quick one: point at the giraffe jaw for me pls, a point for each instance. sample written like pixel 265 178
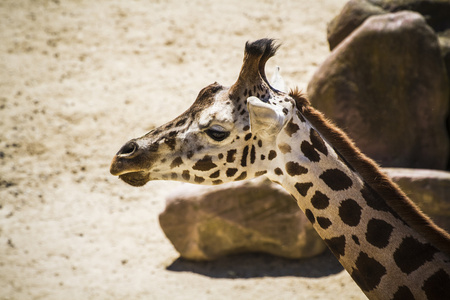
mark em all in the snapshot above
pixel 137 179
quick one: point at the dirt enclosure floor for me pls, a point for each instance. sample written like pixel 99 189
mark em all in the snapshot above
pixel 77 80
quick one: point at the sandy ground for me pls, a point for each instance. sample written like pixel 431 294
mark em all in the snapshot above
pixel 77 80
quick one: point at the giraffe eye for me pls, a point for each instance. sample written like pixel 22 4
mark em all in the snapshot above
pixel 217 133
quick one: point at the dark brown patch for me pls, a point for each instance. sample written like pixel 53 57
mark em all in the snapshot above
pixel 284 148
pixel 215 174
pixel 412 254
pixel 263 157
pixel 190 154
pixel 242 176
pixel 204 164
pixel 174 176
pixel 310 216
pixel 318 142
pixel 171 143
pixel 336 179
pixel 176 162
pixel 309 151
pixel 231 171
pixel 403 293
pixel 368 272
pixel 186 176
pixel 252 155
pixel 278 171
pixel 246 127
pixel 293 169
pixel 248 136
pixel 378 233
pixel 336 245
pixel 324 222
pixel 259 143
pixel 259 173
pixel 220 156
pixel 198 179
pixel 303 188
pixel 320 200
pixel 437 286
pixel 231 155
pixel 350 212
pixel 291 128
pixel 216 182
pixel 180 122
pixel 355 239
pixel 244 157
pixel 272 154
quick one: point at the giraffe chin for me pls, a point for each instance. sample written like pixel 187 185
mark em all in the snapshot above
pixel 135 178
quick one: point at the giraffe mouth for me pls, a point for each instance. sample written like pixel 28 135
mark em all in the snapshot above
pixel 135 178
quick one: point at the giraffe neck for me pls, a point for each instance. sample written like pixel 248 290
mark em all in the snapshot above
pixel 383 254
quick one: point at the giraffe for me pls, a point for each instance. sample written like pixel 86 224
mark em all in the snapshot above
pixel 390 248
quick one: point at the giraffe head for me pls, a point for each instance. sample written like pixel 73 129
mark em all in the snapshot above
pixel 220 137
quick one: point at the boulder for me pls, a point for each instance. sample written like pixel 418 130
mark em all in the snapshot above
pixel 354 13
pixel 387 87
pixel 436 13
pixel 429 189
pixel 204 223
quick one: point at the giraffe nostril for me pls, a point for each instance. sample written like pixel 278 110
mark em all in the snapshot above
pixel 128 149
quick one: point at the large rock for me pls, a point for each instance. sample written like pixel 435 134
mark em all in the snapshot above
pixel 387 87
pixel 204 223
pixel 429 189
pixel 354 13
pixel 436 13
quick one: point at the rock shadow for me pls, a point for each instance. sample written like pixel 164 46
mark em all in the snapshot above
pixel 261 265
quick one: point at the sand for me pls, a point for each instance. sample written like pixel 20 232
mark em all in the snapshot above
pixel 80 78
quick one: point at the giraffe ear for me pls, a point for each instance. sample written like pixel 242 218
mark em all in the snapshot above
pixel 265 119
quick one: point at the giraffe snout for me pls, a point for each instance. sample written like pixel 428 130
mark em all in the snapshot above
pixel 133 159
pixel 125 159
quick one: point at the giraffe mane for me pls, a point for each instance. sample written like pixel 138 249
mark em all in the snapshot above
pixel 373 176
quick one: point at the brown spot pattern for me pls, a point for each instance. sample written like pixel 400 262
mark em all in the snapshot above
pixel 186 176
pixel 272 154
pixel 320 200
pixel 318 142
pixel 198 179
pixel 378 232
pixel 231 171
pixel 350 212
pixel 204 164
pixel 176 162
pixel 231 155
pixel 437 286
pixel 412 254
pixel 368 272
pixel 324 222
pixel 309 151
pixel 336 179
pixel 336 245
pixel 291 128
pixel 244 157
pixel 293 168
pixel 310 216
pixel 242 176
pixel 403 293
pixel 303 188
